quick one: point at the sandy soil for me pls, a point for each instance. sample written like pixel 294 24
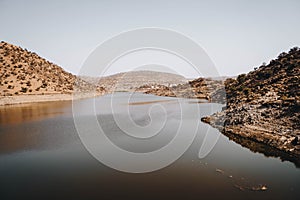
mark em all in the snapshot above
pixel 9 100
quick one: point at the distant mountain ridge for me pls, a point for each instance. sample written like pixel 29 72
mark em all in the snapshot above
pixel 130 81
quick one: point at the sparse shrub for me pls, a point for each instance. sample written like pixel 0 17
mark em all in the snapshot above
pixel 241 78
pixel 44 85
pixel 23 89
pixel 247 91
pixel 268 73
pixel 294 49
pixel 291 67
pixel 283 98
pixel 265 74
pixel 241 88
pixel 282 55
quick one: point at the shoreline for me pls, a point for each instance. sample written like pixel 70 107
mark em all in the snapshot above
pixel 257 134
pixel 38 98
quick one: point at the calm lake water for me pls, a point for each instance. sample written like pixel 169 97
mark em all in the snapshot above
pixel 41 156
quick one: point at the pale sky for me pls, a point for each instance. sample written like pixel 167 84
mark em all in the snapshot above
pixel 237 35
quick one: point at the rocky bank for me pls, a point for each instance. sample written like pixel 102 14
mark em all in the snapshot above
pixel 264 105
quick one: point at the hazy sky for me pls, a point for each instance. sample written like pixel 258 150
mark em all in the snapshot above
pixel 237 35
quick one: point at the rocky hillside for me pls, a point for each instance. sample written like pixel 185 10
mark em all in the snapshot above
pixel 130 81
pixel 202 88
pixel 264 105
pixel 24 72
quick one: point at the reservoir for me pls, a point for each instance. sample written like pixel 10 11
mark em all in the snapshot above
pixel 42 155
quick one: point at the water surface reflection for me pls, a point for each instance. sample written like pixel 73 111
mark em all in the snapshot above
pixel 41 157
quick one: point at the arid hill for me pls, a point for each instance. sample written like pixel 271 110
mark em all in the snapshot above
pixel 23 72
pixel 201 88
pixel 264 105
pixel 130 81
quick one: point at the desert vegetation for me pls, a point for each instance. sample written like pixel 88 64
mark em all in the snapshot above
pixel 23 72
pixel 264 105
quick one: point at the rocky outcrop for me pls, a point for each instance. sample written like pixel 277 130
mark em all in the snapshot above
pixel 201 88
pixel 264 105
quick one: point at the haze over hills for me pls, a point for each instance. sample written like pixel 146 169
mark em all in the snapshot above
pixel 129 81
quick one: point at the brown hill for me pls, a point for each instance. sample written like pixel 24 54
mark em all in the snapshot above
pixel 24 72
pixel 130 81
pixel 264 105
